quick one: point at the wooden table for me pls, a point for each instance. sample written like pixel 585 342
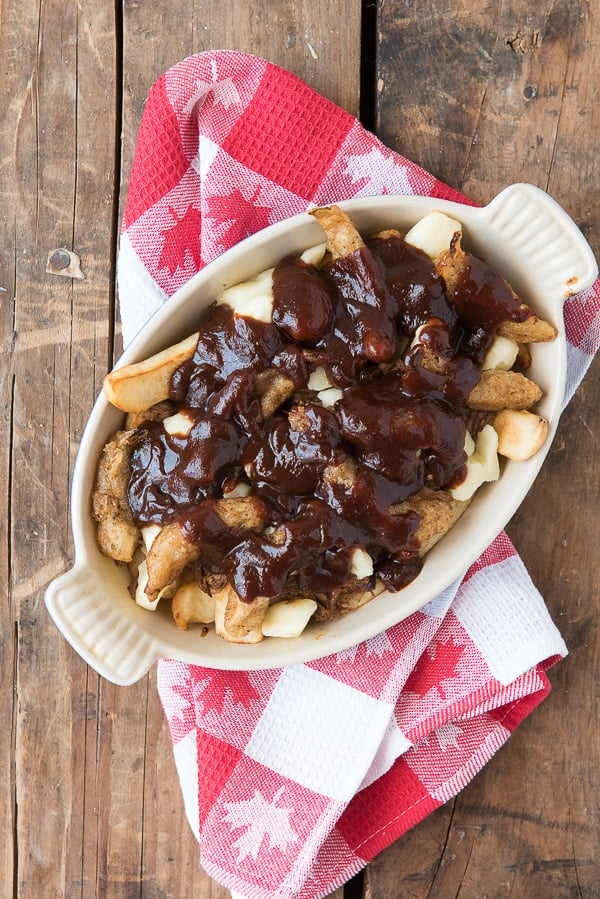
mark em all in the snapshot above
pixel 481 94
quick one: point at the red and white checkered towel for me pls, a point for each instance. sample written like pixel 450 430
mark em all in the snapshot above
pixel 293 779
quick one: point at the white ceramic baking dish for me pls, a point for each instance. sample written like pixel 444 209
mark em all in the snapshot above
pixel 522 232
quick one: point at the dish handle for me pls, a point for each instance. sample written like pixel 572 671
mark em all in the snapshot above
pixel 91 621
pixel 540 232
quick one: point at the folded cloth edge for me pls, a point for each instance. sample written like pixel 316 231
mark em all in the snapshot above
pixel 439 190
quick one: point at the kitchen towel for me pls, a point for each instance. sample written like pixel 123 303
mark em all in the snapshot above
pixel 294 778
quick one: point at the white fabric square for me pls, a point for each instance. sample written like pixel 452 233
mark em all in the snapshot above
pixel 185 753
pixel 393 745
pixel 506 618
pixel 319 732
pixel 139 294
pixel 439 605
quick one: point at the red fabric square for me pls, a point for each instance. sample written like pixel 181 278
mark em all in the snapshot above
pixel 216 763
pixel 159 163
pixel 513 713
pixel 288 133
pixel 385 810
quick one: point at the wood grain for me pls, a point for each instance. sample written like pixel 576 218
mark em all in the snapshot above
pixel 59 187
pixel 482 95
pixel 163 852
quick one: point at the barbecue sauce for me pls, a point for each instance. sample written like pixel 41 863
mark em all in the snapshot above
pixel 327 477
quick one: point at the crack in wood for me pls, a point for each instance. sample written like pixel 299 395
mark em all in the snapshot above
pixel 523 41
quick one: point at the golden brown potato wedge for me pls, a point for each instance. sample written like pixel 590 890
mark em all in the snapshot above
pixel 450 266
pixel 342 236
pixel 437 512
pixel 192 605
pixel 170 553
pixel 117 535
pixel 246 512
pixel 273 389
pixel 532 330
pixel 503 390
pixel 137 387
pixel 155 413
pixel 238 621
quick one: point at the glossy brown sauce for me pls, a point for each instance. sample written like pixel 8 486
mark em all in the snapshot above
pixel 326 477
pixel 482 301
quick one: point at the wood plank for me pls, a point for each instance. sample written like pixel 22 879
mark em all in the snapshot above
pixel 481 96
pixel 299 36
pixel 484 97
pixel 12 51
pixel 284 33
pixel 57 178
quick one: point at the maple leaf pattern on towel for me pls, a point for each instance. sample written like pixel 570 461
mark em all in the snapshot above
pixel 238 216
pixel 223 90
pixel 375 646
pixel 375 173
pixel 261 820
pixel 447 736
pixel 218 688
pixel 182 238
pixel 425 678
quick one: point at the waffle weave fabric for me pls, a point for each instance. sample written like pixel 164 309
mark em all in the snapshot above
pixel 294 778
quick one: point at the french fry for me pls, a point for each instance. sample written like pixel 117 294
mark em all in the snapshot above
pixel 342 236
pixel 137 387
pixel 155 413
pixel 116 533
pixel 169 555
pixel 238 621
pixel 437 512
pixel 497 388
pixel 273 389
pixel 171 552
pixel 451 264
pixel 523 360
pixel 192 605
pixel 351 599
pixel 353 595
pixel 387 234
pixel 245 512
pixel 532 330
pixel 503 390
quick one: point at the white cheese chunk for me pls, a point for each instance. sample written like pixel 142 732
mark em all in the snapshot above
pixel 178 425
pixel 288 618
pixel 502 354
pixel 330 396
pixel 149 534
pixel 482 465
pixel 140 595
pixel 361 563
pixel 433 233
pixel 319 379
pixel 252 299
pixel 314 255
pixel 241 489
pixel 469 444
